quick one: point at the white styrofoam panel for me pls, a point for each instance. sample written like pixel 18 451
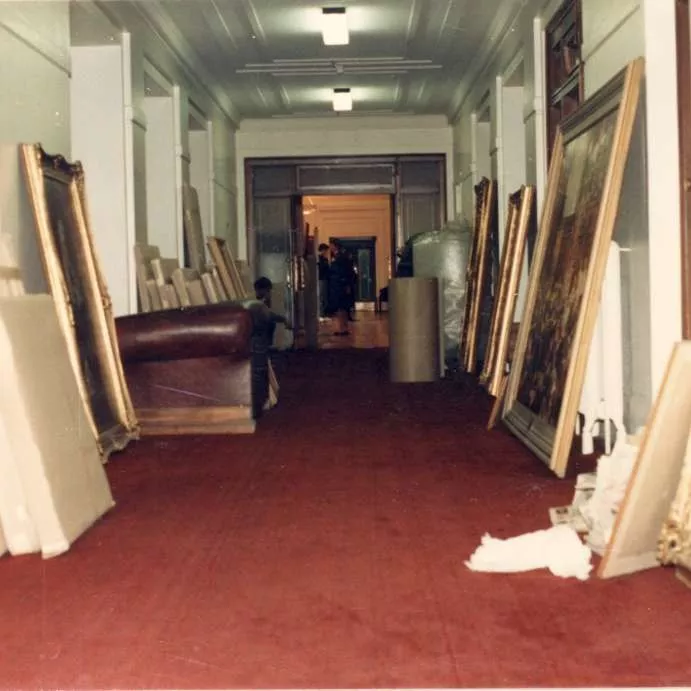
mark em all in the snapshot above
pixel 98 141
pixel 50 440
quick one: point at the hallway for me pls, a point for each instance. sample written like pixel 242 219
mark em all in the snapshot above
pixel 327 550
pixel 369 330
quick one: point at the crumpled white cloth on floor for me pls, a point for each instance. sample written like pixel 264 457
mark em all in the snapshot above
pixel 558 549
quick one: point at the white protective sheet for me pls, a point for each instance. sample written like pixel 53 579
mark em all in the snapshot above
pixel 558 549
pixel 47 434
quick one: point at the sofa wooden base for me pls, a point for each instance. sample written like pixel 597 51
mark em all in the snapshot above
pixel 196 420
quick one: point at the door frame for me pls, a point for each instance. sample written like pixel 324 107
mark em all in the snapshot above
pixel 370 240
pixel 394 189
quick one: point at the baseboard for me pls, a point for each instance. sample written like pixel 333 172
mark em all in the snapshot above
pixel 196 420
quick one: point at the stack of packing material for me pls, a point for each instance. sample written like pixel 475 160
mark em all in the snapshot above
pixel 53 486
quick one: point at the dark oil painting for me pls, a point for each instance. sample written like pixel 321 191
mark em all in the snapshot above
pixel 564 269
pixel 71 255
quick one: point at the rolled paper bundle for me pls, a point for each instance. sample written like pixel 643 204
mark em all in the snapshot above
pixel 414 330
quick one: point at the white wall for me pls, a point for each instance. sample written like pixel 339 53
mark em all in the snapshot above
pixel 161 187
pixel 148 48
pixel 663 184
pixel 612 37
pixel 34 83
pixel 144 49
pixel 348 136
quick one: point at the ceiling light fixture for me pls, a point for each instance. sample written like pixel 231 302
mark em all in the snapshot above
pixel 335 26
pixel 342 100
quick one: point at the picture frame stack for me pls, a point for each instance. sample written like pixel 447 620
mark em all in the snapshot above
pixel 519 214
pixel 478 273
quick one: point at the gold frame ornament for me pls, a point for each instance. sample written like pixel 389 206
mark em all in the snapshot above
pixel 520 211
pixel 566 276
pixel 479 271
pixel 674 544
pixel 57 195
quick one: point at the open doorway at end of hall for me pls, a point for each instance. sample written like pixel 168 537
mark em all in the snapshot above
pixel 363 224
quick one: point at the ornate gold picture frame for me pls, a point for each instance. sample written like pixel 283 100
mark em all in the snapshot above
pixel 674 544
pixel 566 276
pixel 520 212
pixel 56 190
pixel 479 271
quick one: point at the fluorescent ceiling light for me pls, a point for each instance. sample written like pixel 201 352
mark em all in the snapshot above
pixel 334 26
pixel 343 99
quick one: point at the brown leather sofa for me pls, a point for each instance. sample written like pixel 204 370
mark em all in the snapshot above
pixel 198 370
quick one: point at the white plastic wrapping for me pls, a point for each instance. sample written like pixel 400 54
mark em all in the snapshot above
pixel 444 255
pixel 558 549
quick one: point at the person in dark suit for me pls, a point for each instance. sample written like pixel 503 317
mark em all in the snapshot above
pixel 324 267
pixel 340 288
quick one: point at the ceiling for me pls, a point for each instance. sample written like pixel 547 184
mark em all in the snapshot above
pixel 268 59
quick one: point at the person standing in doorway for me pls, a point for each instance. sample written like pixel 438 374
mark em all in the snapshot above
pixel 324 268
pixel 340 286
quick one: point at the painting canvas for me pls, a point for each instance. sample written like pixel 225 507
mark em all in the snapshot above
pixel 194 234
pixel 568 269
pixel 520 212
pixel 56 189
pixel 479 272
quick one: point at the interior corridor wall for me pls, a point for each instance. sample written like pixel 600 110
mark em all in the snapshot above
pixel 147 47
pixel 613 34
pixel 145 52
pixel 35 88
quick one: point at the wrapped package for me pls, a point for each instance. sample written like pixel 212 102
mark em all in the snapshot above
pixel 444 255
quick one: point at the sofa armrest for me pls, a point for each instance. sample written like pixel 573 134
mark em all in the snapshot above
pixel 180 334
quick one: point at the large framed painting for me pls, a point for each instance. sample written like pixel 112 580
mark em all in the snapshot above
pixel 568 267
pixel 479 272
pixel 57 194
pixel 518 219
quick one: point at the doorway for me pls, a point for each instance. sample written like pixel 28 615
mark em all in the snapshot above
pixel 363 224
pixel 363 251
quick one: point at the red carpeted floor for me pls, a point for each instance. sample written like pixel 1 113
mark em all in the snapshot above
pixel 327 550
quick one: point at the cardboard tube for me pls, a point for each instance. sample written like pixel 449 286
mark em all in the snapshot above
pixel 414 330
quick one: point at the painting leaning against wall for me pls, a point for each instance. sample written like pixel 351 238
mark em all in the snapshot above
pixel 565 269
pixel 566 275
